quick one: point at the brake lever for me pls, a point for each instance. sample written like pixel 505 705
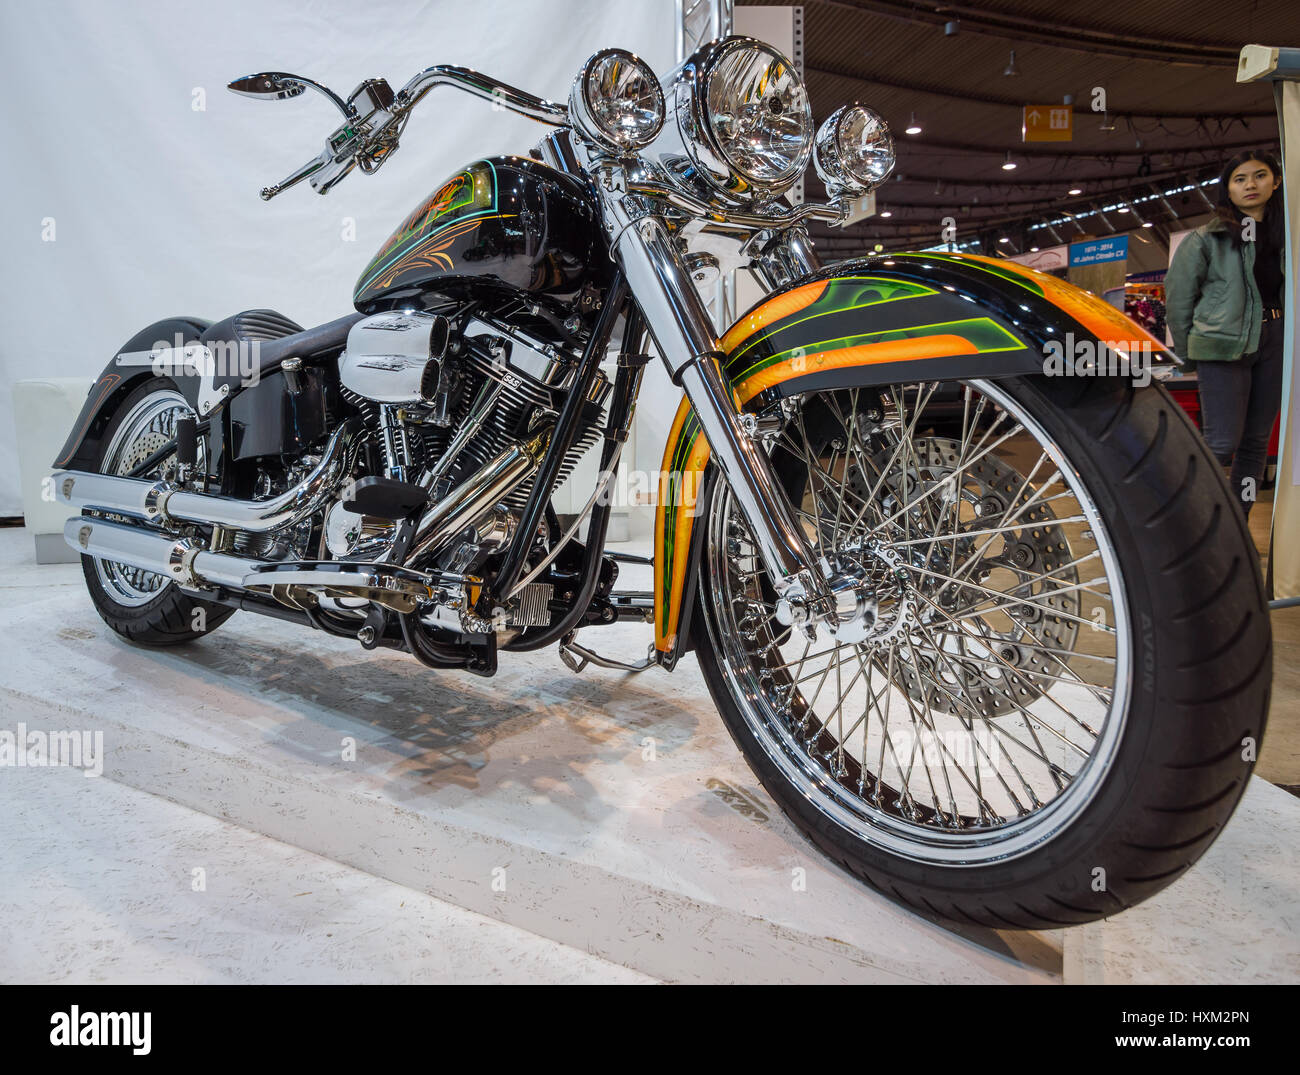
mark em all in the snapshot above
pixel 308 169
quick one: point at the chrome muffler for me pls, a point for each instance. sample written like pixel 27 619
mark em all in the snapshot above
pixel 296 584
pixel 183 560
pixel 161 502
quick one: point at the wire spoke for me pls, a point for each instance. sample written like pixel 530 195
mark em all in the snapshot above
pixel 969 702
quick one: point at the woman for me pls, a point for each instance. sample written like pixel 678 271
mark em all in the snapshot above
pixel 1223 297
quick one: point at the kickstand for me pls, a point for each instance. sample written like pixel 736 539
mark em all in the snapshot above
pixel 577 657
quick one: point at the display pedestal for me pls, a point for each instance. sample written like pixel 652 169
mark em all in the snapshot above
pixel 608 812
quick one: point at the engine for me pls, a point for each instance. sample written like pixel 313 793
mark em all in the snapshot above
pixel 454 405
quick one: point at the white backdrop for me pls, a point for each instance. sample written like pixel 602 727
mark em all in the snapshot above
pixel 129 191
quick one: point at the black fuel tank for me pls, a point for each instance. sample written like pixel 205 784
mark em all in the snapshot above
pixel 505 221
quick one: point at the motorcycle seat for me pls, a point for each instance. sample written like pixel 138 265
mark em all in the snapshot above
pixel 276 338
pixel 247 328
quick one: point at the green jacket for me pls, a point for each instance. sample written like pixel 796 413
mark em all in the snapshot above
pixel 1212 305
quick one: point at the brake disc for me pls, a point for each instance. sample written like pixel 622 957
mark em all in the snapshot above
pixel 140 449
pixel 956 660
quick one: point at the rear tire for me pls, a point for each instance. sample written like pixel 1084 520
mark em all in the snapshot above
pixel 140 606
pixel 1200 666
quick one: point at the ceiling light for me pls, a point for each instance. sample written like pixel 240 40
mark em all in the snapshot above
pixel 1075 190
pixel 1004 239
pixel 1008 164
pixel 1107 124
pixel 1010 70
pixel 951 27
pixel 1147 224
pixel 913 127
pixel 1033 250
pixel 886 213
pixel 1122 209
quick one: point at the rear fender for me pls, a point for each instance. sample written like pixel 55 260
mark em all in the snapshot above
pixel 120 377
pixel 889 319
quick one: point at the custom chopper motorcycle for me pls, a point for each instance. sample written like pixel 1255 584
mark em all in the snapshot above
pixel 994 640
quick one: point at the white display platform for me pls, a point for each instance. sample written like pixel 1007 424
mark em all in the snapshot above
pixel 106 884
pixel 678 867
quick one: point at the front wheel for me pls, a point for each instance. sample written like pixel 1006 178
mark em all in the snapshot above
pixel 1059 703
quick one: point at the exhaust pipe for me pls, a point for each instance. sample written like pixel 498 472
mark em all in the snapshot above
pixel 476 494
pixel 161 502
pixel 192 567
pixel 182 559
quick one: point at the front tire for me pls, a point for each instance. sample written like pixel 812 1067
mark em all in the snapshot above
pixel 1071 813
pixel 139 605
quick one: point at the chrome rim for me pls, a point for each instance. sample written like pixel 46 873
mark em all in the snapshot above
pixel 982 713
pixel 149 425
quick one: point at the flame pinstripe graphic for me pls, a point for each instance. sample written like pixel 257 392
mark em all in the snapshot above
pixel 454 209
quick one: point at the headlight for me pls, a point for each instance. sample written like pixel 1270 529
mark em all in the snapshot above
pixel 855 151
pixel 742 119
pixel 757 110
pixel 617 100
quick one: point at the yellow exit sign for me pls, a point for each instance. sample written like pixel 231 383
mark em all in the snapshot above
pixel 1047 123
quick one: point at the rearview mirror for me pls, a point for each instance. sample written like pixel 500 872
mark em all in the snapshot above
pixel 268 84
pixel 278 86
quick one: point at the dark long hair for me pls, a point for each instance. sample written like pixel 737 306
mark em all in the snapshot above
pixel 1231 214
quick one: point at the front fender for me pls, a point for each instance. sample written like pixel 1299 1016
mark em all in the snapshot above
pixel 879 320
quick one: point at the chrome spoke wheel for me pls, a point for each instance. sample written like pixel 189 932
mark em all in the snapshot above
pixel 147 428
pixel 980 714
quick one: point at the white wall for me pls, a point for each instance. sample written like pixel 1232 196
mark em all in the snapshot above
pixel 118 129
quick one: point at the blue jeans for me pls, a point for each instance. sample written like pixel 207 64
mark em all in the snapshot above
pixel 1239 402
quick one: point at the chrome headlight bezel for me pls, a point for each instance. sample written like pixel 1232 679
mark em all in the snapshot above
pixel 585 119
pixel 834 158
pixel 691 149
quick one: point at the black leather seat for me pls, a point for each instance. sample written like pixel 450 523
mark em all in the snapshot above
pixel 276 337
pixel 250 327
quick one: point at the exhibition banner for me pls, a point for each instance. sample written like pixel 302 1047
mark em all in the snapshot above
pixel 1096 251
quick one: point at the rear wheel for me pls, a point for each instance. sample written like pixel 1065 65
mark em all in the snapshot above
pixel 1060 701
pixel 141 605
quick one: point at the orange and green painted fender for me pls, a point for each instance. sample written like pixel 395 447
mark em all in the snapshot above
pixel 881 320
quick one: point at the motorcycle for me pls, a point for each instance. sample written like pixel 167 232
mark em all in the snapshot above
pixel 994 638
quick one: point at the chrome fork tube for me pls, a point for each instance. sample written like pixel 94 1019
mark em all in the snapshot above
pixel 748 471
pixel 689 347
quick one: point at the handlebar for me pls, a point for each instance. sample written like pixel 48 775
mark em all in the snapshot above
pixel 374 117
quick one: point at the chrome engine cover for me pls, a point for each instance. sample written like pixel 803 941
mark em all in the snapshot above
pixel 395 357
